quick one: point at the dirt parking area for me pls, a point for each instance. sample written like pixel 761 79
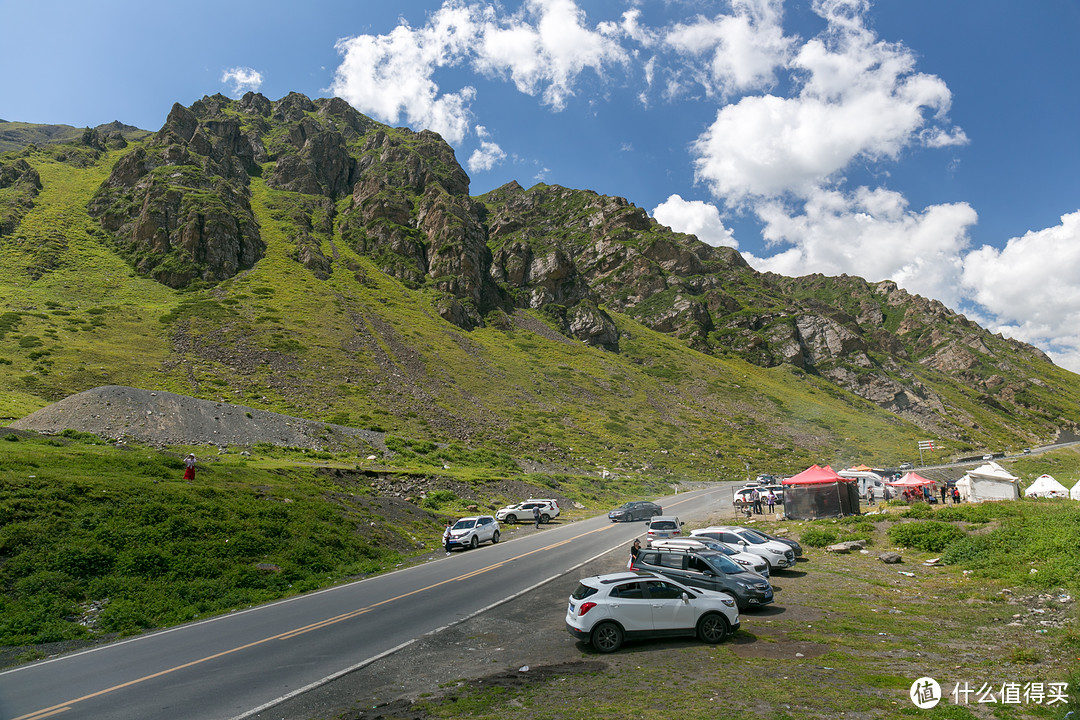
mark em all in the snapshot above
pixel 847 636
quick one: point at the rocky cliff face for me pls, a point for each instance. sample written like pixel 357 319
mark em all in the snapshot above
pixel 180 206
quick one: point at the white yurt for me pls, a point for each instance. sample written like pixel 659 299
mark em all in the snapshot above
pixel 1046 486
pixel 988 482
pixel 1075 492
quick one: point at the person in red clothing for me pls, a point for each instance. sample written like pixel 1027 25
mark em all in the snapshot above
pixel 189 467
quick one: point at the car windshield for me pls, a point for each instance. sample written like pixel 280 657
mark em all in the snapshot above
pixel 465 524
pixel 756 534
pixel 750 537
pixel 725 565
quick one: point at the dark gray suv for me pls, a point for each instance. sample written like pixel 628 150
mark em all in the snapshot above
pixel 707 569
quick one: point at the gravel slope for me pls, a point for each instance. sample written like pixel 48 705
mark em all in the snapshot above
pixel 163 419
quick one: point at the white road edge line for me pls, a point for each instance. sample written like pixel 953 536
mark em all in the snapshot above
pixel 364 663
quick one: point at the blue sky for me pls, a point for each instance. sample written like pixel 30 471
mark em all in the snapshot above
pixel 931 143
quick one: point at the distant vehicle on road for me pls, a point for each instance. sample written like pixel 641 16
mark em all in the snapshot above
pixel 907 466
pixel 635 510
pixel 523 511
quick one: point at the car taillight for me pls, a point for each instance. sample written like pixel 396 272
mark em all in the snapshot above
pixel 585 607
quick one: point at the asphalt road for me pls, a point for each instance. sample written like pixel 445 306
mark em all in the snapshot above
pixel 238 665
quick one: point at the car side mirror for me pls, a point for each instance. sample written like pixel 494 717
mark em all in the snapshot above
pixel 685 598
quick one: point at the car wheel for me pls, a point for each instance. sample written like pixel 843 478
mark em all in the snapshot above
pixel 495 537
pixel 545 518
pixel 712 628
pixel 511 519
pixel 474 542
pixel 607 637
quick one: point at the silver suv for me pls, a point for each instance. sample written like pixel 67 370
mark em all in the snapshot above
pixel 468 532
pixel 707 569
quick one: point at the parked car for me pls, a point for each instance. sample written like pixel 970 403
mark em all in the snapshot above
pixel 635 510
pixel 663 526
pixel 988 456
pixel 777 490
pixel 707 569
pixel 793 544
pixel 605 610
pixel 749 561
pixel 778 555
pixel 907 466
pixel 468 532
pixel 742 495
pixel 523 511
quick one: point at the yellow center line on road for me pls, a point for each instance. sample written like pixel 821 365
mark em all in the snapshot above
pixel 288 634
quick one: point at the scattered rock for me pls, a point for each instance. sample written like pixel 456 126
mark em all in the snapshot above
pixel 891 558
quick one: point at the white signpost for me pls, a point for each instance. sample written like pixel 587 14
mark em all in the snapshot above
pixel 927 445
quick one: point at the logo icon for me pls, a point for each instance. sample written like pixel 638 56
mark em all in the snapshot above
pixel 925 693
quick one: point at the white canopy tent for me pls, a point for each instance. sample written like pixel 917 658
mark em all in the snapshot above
pixel 1046 486
pixel 1075 492
pixel 988 482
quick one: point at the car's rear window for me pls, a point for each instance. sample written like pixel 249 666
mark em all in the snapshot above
pixel 583 591
pixel 664 525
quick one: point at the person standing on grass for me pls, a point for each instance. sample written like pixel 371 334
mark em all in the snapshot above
pixel 944 492
pixel 770 500
pixel 189 467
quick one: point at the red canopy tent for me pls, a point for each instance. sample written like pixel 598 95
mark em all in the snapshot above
pixel 912 480
pixel 819 492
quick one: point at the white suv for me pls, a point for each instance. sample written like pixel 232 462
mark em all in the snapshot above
pixel 777 554
pixel 468 532
pixel 523 511
pixel 663 526
pixel 606 609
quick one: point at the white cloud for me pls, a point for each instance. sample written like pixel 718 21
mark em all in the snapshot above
pixel 545 48
pixel 391 75
pixel 487 156
pixel 696 218
pixel 859 99
pixel 873 234
pixel 1032 286
pixel 242 79
pixel 743 49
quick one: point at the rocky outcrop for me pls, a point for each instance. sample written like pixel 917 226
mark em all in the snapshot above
pixel 21 184
pixel 180 207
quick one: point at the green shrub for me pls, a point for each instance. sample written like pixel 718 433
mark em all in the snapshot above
pixel 818 537
pixel 437 499
pixel 928 535
pixel 919 510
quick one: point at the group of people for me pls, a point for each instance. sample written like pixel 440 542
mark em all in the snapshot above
pixel 923 494
pixel 758 500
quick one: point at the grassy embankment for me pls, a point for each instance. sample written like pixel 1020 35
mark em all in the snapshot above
pixel 91 531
